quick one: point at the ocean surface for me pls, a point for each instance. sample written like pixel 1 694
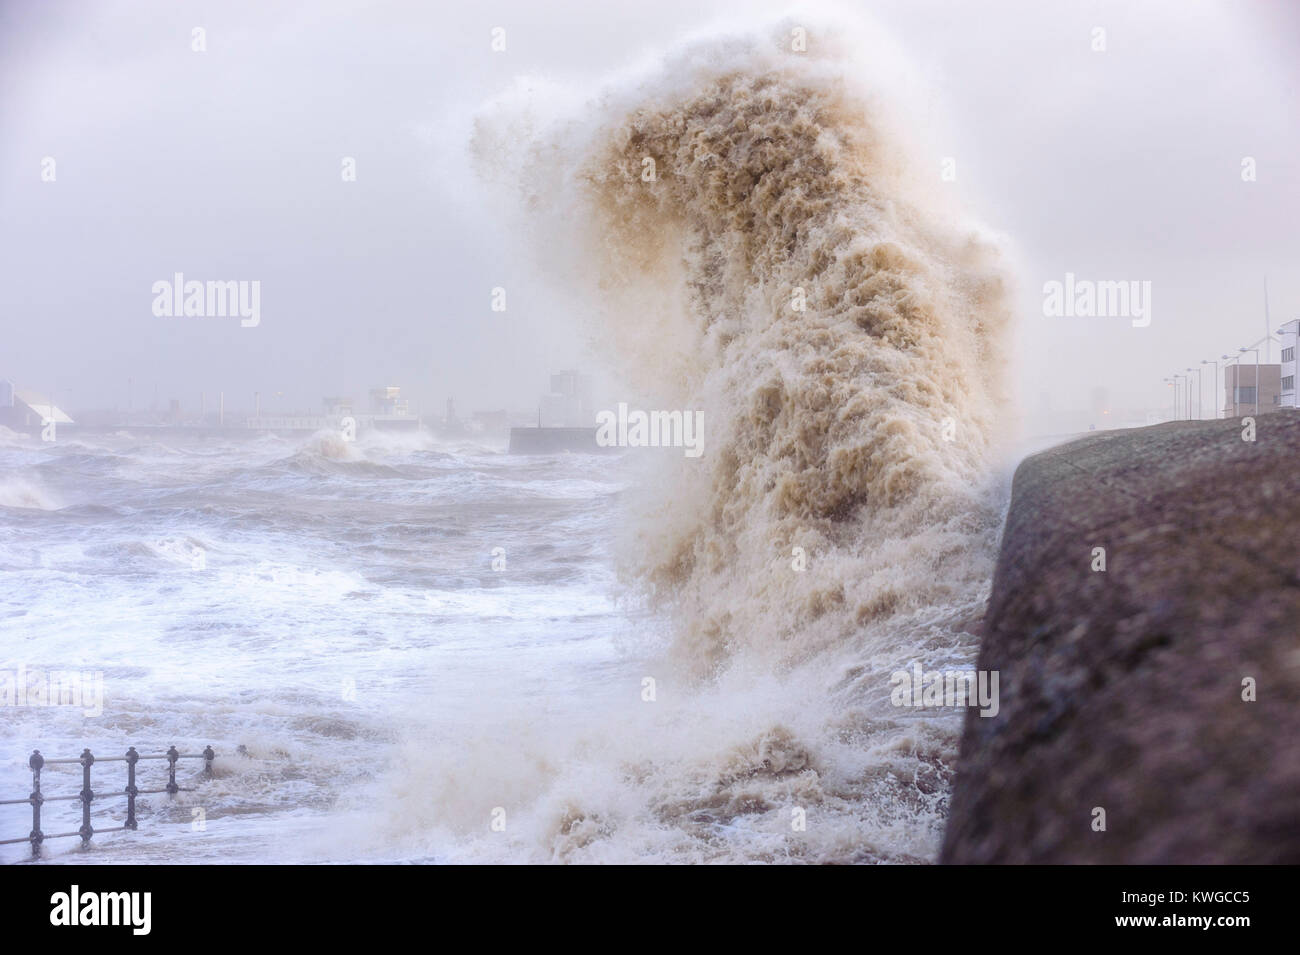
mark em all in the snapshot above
pixel 320 604
pixel 412 650
pixel 328 617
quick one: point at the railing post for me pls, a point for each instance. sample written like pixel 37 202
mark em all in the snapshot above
pixel 37 837
pixel 132 757
pixel 208 757
pixel 172 755
pixel 87 794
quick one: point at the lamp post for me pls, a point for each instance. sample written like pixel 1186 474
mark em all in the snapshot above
pixel 1199 410
pixel 1236 381
pixel 1256 351
pixel 1216 384
pixel 1179 412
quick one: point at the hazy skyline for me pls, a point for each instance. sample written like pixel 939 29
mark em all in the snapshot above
pixel 1124 164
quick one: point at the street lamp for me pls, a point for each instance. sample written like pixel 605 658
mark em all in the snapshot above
pixel 1216 384
pixel 1199 413
pixel 1236 380
pixel 1169 382
pixel 1256 351
pixel 1176 377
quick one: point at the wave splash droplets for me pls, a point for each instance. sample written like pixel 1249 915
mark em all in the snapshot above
pixel 850 354
pixel 754 241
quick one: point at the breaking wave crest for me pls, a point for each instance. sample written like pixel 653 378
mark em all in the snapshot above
pixel 753 240
pixel 756 243
pixel 19 493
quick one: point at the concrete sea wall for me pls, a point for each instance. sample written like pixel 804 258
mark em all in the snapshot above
pixel 1122 689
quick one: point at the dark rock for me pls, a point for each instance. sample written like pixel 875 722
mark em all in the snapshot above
pixel 1123 689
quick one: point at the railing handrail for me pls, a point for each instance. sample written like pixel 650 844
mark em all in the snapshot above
pixel 124 759
pixel 87 795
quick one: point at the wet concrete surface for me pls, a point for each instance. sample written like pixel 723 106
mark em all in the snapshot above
pixel 1122 690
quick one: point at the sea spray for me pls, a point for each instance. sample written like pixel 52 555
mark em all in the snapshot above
pixel 851 354
pixel 785 269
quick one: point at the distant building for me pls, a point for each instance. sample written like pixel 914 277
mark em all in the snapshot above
pixel 25 410
pixel 1240 381
pixel 569 404
pixel 391 413
pixel 388 401
pixel 1290 336
pixel 338 406
pixel 490 421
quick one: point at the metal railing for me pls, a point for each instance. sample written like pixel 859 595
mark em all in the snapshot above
pixel 88 795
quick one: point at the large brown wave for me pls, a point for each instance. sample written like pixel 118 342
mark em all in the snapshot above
pixel 754 240
pixel 845 345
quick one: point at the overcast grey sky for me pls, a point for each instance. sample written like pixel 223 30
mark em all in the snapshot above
pixel 226 164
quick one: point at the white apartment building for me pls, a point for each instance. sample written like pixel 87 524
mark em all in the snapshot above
pixel 1289 334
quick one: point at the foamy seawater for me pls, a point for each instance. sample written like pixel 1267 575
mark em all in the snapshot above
pixel 392 693
pixel 313 602
pixel 682 658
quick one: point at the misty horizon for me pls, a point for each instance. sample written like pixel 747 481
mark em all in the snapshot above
pixel 227 164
